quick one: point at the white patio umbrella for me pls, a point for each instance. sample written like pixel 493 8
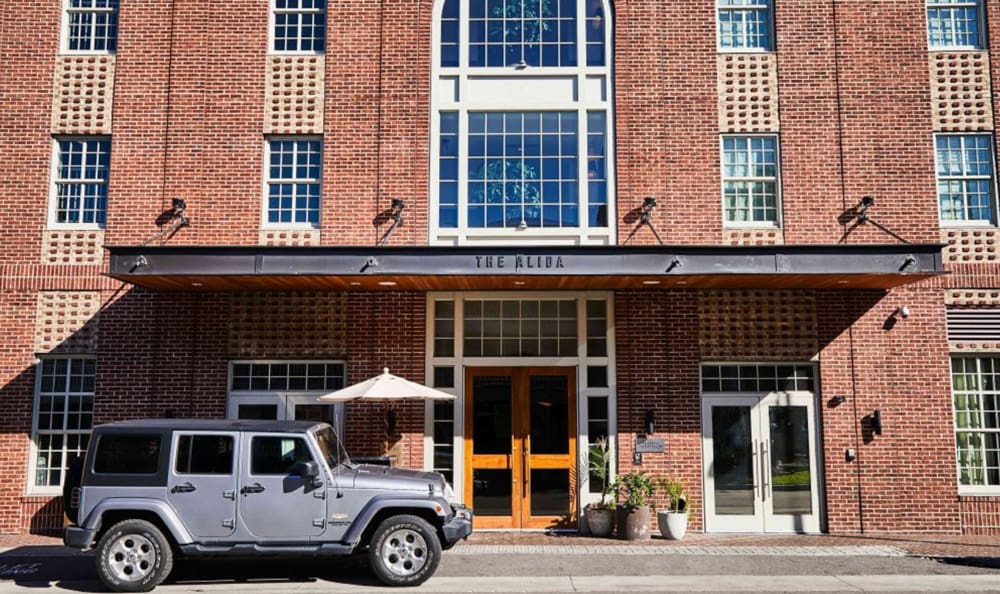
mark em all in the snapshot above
pixel 386 387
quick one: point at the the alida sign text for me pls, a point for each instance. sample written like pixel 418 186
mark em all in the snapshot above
pixel 519 262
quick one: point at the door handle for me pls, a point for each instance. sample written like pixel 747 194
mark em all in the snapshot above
pixel 525 466
pixel 254 488
pixel 756 464
pixel 764 468
pixel 184 488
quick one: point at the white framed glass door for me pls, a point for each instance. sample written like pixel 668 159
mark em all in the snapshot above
pixel 760 462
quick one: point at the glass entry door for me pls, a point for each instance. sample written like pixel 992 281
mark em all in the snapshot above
pixel 760 463
pixel 520 446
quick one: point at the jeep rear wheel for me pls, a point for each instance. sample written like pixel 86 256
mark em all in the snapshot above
pixel 404 551
pixel 133 556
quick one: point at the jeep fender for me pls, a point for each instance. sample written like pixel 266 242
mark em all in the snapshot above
pixel 155 506
pixel 400 502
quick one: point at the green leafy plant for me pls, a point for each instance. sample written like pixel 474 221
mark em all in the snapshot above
pixel 635 489
pixel 677 497
pixel 599 460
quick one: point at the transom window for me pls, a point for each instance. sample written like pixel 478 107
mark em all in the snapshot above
pixel 520 156
pixel 91 26
pixel 965 177
pixel 756 378
pixel 750 180
pixel 294 186
pixel 299 25
pixel 975 383
pixel 64 415
pixel 520 328
pixel 954 24
pixel 81 181
pixel 745 24
pixel 287 376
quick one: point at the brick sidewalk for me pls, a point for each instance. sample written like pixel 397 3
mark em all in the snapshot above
pixel 931 545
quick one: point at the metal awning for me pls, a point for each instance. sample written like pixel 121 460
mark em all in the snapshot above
pixel 433 268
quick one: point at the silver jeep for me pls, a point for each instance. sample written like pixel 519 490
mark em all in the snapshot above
pixel 148 490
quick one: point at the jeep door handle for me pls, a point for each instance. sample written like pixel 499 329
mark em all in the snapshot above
pixel 185 488
pixel 254 488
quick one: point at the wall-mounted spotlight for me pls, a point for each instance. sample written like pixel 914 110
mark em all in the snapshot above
pixel 866 203
pixel 396 214
pixel 903 311
pixel 646 211
pixel 877 422
pixel 838 399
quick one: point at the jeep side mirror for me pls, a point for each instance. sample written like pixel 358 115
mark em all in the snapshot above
pixel 305 469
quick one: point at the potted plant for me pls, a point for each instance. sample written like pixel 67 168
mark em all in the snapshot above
pixel 673 521
pixel 601 516
pixel 635 491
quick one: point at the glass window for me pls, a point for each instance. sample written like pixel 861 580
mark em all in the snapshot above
pixel 522 33
pixel 444 435
pixel 92 26
pixel 277 455
pixel 750 179
pixel 204 454
pixel 81 181
pixel 756 378
pixel 520 328
pixel 745 24
pixel 127 454
pixel 976 391
pixel 954 24
pixel 287 376
pixel 299 25
pixel 965 177
pixel 64 415
pixel 294 175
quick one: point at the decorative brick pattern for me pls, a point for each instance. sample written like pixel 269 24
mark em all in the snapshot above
pixel 753 236
pixel 974 347
pixel 82 97
pixel 42 515
pixel 290 237
pixel 292 325
pixel 960 91
pixel 293 95
pixel 980 515
pixel 972 298
pixel 67 321
pixel 971 245
pixel 757 325
pixel 748 93
pixel 72 247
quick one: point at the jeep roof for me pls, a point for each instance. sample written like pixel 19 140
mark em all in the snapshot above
pixel 212 425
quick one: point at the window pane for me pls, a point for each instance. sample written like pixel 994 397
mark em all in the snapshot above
pixel 127 454
pixel 277 455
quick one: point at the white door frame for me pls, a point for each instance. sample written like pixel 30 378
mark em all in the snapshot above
pixel 763 519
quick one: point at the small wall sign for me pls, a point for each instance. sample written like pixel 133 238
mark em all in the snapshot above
pixel 649 445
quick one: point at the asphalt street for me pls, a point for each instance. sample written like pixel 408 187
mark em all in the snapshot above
pixel 30 568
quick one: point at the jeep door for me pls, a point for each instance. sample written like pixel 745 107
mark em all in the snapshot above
pixel 201 485
pixel 275 503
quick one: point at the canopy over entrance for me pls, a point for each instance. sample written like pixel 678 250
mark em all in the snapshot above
pixel 434 268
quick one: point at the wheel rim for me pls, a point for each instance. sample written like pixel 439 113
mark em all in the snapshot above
pixel 404 552
pixel 131 557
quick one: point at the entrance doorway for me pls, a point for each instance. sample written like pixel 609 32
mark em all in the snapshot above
pixel 520 446
pixel 760 463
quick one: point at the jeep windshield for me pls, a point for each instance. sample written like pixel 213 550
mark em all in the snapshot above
pixel 331 447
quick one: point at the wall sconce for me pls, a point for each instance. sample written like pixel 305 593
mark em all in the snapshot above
pixel 862 208
pixel 390 422
pixel 903 311
pixel 838 399
pixel 650 422
pixel 646 211
pixel 877 422
pixel 396 216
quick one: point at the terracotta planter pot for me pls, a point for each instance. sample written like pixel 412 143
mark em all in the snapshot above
pixel 633 522
pixel 672 525
pixel 600 521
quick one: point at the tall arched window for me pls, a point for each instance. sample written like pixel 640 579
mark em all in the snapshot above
pixel 521 122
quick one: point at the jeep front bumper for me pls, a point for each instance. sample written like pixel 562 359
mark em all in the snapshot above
pixel 458 527
pixel 75 537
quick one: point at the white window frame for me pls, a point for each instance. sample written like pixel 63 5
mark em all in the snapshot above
pixel 777 222
pixel 285 400
pixel 273 10
pixel 55 182
pixel 462 89
pixel 266 190
pixel 46 490
pixel 65 27
pixel 952 223
pixel 580 362
pixel 968 489
pixel 980 24
pixel 771 39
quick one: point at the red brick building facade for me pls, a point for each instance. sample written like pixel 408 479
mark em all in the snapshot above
pixel 824 102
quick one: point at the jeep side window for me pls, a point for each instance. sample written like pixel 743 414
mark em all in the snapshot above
pixel 204 454
pixel 127 454
pixel 277 455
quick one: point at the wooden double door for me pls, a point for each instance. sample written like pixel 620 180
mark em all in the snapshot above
pixel 520 446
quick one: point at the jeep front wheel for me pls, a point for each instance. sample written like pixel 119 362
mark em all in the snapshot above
pixel 133 556
pixel 404 551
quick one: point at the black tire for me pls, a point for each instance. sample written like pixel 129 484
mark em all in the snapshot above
pixel 397 537
pixel 133 556
pixel 74 474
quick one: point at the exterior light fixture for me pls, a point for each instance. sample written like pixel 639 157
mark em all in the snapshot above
pixel 877 422
pixel 646 211
pixel 396 215
pixel 650 422
pixel 863 206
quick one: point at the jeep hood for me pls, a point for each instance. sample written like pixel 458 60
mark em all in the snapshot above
pixel 397 479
